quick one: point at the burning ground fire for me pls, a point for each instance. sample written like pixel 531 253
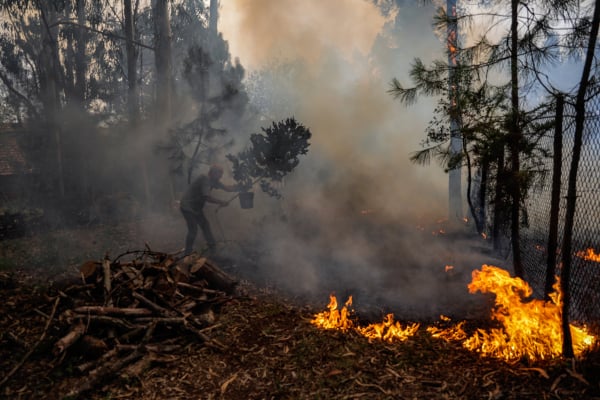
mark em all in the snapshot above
pixel 589 255
pixel 343 320
pixel 526 328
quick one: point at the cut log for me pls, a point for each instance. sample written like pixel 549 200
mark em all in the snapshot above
pixel 107 282
pixel 67 341
pixel 92 364
pixel 161 310
pixel 89 270
pixel 93 346
pixel 110 321
pixel 216 277
pixel 108 368
pixel 116 311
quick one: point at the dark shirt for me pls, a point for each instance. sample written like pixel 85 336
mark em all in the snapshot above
pixel 196 195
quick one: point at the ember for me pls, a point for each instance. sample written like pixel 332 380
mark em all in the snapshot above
pixel 589 255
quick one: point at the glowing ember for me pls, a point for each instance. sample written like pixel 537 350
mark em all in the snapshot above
pixel 589 255
pixel 448 268
pixel 528 328
pixel 387 330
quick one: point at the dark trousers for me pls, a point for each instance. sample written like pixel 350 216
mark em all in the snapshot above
pixel 193 220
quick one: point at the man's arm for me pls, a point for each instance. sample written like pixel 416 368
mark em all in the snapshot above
pixel 214 200
pixel 229 188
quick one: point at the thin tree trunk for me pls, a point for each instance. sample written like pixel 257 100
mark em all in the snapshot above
pixel 498 209
pixel 163 61
pixel 50 62
pixel 213 17
pixel 515 143
pixel 132 84
pixel 133 98
pixel 572 185
pixel 485 165
pixel 80 64
pixel 555 198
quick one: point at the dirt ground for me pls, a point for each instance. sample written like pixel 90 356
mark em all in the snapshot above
pixel 271 350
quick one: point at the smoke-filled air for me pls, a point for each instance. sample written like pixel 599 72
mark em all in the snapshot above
pixel 338 204
pixel 354 210
pixel 299 199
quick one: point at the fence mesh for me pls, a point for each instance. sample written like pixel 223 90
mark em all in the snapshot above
pixel 585 270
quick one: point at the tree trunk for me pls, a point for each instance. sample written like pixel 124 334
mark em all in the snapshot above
pixel 515 143
pixel 50 88
pixel 80 64
pixel 498 209
pixel 133 98
pixel 485 166
pixel 213 18
pixel 555 198
pixel 163 61
pixel 572 185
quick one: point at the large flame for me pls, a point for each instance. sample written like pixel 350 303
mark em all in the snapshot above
pixel 589 255
pixel 388 330
pixel 527 328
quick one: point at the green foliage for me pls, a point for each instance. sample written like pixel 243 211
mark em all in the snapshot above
pixel 273 154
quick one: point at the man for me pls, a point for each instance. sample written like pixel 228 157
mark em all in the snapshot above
pixel 193 202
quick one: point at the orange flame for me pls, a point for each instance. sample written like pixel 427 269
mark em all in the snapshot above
pixel 455 332
pixel 589 255
pixel 528 328
pixel 334 318
pixel 388 330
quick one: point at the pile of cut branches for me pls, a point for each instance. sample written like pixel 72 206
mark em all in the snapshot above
pixel 133 311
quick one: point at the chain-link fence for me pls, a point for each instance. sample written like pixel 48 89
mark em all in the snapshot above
pixel 585 270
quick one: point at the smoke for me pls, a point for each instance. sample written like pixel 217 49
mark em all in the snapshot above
pixel 349 218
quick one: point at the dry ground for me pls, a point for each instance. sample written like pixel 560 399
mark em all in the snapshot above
pixel 272 350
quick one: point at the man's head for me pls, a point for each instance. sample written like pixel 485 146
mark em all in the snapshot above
pixel 215 173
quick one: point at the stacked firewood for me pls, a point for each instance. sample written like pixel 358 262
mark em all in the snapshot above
pixel 130 311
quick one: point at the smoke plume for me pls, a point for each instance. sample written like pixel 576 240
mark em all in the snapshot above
pixel 352 208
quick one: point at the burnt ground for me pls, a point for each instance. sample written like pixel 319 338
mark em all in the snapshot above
pixel 271 349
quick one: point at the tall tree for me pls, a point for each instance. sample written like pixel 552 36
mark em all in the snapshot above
pixel 163 61
pixel 515 139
